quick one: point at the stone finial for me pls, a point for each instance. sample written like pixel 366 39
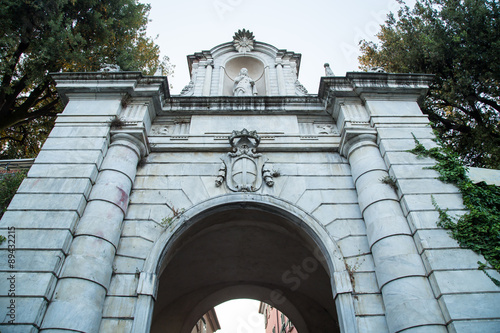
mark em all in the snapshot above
pixel 377 69
pixel 328 70
pixel 110 68
pixel 243 40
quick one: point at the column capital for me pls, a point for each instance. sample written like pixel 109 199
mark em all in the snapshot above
pixel 353 138
pixel 136 140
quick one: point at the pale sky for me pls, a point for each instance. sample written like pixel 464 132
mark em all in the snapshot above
pixel 321 30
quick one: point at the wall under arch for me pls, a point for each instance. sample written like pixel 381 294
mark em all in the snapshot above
pixel 334 264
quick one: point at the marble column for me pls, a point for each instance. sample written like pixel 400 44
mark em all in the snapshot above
pixel 78 299
pixel 408 298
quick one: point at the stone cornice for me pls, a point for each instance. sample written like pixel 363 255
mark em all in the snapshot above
pixel 221 105
pixel 134 84
pixel 358 84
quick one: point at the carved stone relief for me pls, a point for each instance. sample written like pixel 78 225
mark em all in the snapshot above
pixel 244 169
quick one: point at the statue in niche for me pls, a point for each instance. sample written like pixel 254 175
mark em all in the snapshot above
pixel 244 85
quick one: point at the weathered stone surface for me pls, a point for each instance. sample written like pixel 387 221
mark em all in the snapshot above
pixel 35 260
pixel 341 228
pixel 70 156
pixel 123 285
pixel 412 172
pixel 444 259
pixel 461 281
pixel 434 239
pixel 354 246
pixel 123 264
pixel 147 229
pixel 418 291
pixel 43 239
pixel 82 315
pixel 361 263
pixel 63 171
pixel 20 328
pixel 29 284
pixel 365 283
pixel 406 158
pixel 226 124
pixel 29 310
pixel 329 212
pixel 74 202
pixel 116 325
pixel 403 144
pixel 372 324
pixel 470 306
pixel 405 133
pixel 40 219
pixel 423 186
pixel 311 199
pixel 101 219
pixel 56 185
pixel 76 144
pixel 85 263
pixel 120 307
pixel 148 212
pixel 134 247
pixel 64 131
pixel 416 202
pixel 369 305
pixel 395 108
pixel 489 176
pixel 85 107
pixel 487 325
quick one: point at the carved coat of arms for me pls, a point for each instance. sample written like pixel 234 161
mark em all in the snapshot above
pixel 244 169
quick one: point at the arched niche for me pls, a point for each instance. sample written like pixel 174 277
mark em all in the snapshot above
pixel 256 70
pixel 245 246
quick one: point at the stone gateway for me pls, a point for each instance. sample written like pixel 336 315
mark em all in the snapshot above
pixel 145 224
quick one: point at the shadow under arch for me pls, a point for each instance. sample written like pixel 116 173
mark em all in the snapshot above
pixel 164 250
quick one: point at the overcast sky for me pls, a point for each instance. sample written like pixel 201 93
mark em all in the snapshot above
pixel 321 30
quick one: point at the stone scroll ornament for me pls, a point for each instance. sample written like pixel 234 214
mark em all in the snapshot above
pixel 244 169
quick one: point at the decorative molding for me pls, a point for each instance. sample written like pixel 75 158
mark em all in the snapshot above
pixel 243 41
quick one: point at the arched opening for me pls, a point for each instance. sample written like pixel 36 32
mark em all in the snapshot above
pixel 245 246
pixel 255 69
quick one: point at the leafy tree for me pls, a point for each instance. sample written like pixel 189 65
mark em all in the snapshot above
pixel 39 37
pixel 459 42
pixel 9 184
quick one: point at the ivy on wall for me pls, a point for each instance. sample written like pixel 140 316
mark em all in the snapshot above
pixel 479 228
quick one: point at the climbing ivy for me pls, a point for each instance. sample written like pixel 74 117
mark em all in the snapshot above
pixel 479 229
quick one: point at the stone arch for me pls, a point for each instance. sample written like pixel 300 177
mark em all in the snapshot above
pixel 326 251
pixel 256 70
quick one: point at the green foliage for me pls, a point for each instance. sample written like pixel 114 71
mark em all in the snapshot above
pixel 8 187
pixel 459 42
pixel 167 222
pixel 391 181
pixel 479 229
pixel 39 37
